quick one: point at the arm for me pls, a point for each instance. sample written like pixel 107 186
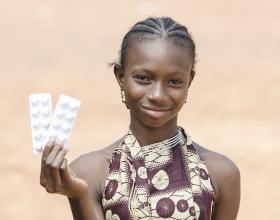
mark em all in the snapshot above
pixel 57 177
pixel 228 200
pixel 92 167
pixel 82 208
pixel 225 177
pixel 91 201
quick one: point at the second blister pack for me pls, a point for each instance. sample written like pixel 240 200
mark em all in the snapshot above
pixel 63 119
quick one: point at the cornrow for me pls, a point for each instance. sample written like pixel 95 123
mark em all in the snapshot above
pixel 153 28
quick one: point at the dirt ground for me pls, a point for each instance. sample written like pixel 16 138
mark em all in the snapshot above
pixel 64 47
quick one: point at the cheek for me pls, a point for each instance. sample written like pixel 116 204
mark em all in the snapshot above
pixel 133 91
pixel 178 96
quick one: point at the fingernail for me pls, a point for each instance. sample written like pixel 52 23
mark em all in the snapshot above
pixel 51 141
pixel 60 142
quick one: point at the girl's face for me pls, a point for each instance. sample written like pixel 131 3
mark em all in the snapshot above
pixel 155 81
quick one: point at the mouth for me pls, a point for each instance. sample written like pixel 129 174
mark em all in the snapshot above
pixel 156 108
pixel 155 111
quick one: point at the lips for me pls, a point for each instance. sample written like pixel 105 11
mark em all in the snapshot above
pixel 155 111
pixel 155 108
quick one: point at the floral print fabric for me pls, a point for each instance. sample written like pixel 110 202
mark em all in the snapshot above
pixel 157 181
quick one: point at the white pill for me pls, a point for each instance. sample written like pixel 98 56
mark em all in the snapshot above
pixel 46 112
pixel 64 103
pixel 35 113
pixel 45 100
pixel 36 125
pixel 66 128
pixel 73 106
pixel 60 114
pixel 56 125
pixel 34 102
pixel 37 137
pixel 46 124
pixel 38 147
pixel 69 117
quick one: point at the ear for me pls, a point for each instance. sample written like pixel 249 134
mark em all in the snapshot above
pixel 119 74
pixel 192 73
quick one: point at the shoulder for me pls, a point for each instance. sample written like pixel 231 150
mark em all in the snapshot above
pixel 87 160
pixel 225 174
pixel 93 167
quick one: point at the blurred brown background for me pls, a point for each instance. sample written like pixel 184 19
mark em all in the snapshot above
pixel 64 47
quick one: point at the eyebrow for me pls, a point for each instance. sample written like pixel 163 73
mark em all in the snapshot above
pixel 152 73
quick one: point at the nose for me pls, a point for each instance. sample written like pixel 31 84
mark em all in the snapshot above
pixel 157 94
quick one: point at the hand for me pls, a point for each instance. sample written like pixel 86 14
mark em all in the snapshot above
pixel 56 176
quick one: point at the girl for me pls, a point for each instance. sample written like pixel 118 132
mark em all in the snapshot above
pixel 155 171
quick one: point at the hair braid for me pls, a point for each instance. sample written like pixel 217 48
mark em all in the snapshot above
pixel 153 28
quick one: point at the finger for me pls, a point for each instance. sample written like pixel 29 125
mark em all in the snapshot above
pixel 45 155
pixel 55 168
pixel 48 148
pixel 48 176
pixel 64 172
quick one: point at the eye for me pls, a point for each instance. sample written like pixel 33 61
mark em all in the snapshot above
pixel 176 82
pixel 142 78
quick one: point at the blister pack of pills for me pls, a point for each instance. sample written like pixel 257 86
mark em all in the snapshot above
pixel 63 119
pixel 45 125
pixel 40 106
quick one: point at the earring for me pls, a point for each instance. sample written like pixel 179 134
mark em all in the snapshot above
pixel 186 98
pixel 123 96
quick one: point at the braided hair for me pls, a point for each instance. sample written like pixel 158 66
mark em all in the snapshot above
pixel 156 28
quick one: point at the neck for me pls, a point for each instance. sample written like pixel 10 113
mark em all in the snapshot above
pixel 148 135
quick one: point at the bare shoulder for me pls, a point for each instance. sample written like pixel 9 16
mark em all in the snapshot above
pixel 88 160
pixel 93 167
pixel 223 171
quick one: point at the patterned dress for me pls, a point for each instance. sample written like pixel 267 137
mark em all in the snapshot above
pixel 158 181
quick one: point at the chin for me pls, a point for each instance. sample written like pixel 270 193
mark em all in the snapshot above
pixel 157 123
pixel 154 125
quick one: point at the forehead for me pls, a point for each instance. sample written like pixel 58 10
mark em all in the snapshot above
pixel 159 53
